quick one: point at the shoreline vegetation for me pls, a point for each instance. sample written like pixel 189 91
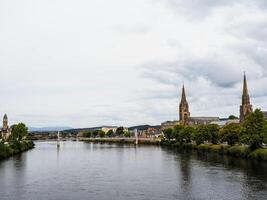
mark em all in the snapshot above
pixel 245 140
pixel 17 142
pixel 240 151
pixel 8 150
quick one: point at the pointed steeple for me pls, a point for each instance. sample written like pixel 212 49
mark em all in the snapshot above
pixel 246 107
pixel 5 117
pixel 245 96
pixel 184 109
pixel 183 99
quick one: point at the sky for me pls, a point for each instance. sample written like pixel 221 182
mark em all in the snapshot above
pixel 83 63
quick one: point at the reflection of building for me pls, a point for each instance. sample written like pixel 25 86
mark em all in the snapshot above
pixel 6 131
pixel 246 107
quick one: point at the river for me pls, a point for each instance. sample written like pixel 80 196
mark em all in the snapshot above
pixel 80 170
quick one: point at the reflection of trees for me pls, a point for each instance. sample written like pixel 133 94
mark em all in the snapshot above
pixel 253 173
pixel 184 161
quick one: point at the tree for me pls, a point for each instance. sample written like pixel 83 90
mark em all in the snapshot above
pixel 213 130
pixel 95 133
pixel 253 129
pixel 167 133
pixel 230 133
pixel 101 133
pixel 110 133
pixel 187 133
pixel 87 134
pixel 127 134
pixel 202 134
pixel 120 131
pixel 19 131
pixel 176 133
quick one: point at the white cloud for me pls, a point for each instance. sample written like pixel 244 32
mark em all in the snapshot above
pixel 86 63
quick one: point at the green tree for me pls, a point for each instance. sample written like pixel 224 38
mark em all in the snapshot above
pixel 110 133
pixel 167 133
pixel 19 131
pixel 95 133
pixel 253 129
pixel 187 133
pixel 230 133
pixel 202 134
pixel 120 131
pixel 87 134
pixel 176 133
pixel 101 133
pixel 213 130
pixel 127 134
pixel 264 134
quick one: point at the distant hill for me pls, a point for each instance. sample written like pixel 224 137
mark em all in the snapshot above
pixel 48 129
pixel 77 130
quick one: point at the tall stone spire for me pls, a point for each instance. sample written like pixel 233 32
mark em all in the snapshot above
pixel 246 107
pixel 184 109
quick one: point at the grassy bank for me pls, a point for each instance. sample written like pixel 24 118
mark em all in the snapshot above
pixel 121 140
pixel 7 150
pixel 240 151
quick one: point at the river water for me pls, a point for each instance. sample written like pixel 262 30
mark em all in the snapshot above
pixel 79 171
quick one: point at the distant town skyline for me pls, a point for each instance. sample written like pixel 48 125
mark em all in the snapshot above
pixel 121 62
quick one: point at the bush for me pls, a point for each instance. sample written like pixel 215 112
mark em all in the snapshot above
pixel 259 154
pixel 238 151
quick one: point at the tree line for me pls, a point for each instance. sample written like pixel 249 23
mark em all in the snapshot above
pixel 252 132
pixel 120 132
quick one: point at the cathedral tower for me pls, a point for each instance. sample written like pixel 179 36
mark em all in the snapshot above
pixel 184 109
pixel 246 107
pixel 5 123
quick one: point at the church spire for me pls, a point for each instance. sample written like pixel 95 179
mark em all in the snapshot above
pixel 245 96
pixel 183 99
pixel 184 109
pixel 246 107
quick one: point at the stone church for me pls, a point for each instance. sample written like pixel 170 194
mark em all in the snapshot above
pixel 185 117
pixel 5 131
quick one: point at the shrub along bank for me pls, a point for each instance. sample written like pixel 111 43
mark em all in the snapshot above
pixel 7 150
pixel 222 149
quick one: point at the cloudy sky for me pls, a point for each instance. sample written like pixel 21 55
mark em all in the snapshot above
pixel 86 63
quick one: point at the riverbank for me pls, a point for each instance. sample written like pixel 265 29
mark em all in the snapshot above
pixel 239 151
pixel 8 150
pixel 149 141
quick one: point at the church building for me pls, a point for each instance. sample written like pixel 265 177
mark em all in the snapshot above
pixel 6 131
pixel 186 119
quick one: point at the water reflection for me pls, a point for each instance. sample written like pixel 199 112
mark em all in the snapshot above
pixel 117 171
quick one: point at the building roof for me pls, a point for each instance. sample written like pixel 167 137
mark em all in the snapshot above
pixel 5 116
pixel 205 118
